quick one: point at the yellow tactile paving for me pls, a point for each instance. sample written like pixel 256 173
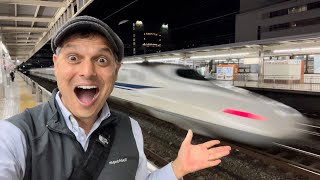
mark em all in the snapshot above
pixel 27 99
pixel 18 96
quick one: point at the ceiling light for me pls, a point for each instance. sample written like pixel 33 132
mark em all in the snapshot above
pixel 218 55
pixel 296 50
pixel 164 59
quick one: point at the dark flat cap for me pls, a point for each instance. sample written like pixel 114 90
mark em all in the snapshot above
pixel 87 23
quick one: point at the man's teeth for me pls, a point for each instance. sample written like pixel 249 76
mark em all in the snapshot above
pixel 87 87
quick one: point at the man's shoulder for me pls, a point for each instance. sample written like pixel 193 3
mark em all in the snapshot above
pixel 119 114
pixel 124 116
pixel 31 117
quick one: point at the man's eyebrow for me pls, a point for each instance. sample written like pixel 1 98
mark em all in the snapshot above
pixel 106 49
pixel 101 50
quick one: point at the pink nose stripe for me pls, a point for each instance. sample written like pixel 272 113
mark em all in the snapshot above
pixel 244 114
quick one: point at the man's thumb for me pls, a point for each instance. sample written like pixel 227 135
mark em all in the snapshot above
pixel 188 138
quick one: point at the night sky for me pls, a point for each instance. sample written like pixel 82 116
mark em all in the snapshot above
pixel 198 22
pixel 209 22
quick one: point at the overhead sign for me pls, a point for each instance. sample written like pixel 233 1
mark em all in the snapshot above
pixel 226 72
pixel 316 64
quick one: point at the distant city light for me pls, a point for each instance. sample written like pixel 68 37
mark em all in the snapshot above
pixel 165 26
pixel 139 23
pixel 151 34
pixel 123 21
pixel 151 44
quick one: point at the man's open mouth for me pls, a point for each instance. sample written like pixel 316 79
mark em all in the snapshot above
pixel 86 94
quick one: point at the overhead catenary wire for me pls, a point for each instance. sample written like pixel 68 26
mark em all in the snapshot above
pixel 120 9
pixel 207 20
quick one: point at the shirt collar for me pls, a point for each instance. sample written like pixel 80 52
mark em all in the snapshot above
pixel 105 113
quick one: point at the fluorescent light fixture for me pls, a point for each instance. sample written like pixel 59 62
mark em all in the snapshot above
pixel 132 62
pixel 152 60
pixel 218 55
pixel 296 50
pixel 310 49
pixel 221 60
pixel 5 48
pixel 163 59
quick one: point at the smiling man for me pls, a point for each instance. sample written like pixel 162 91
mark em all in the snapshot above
pixel 75 135
pixel 86 69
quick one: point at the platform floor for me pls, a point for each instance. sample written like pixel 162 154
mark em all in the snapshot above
pixel 18 97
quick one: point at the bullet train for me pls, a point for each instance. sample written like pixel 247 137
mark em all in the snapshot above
pixel 181 96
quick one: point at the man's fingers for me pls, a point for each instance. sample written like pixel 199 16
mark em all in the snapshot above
pixel 213 163
pixel 211 143
pixel 218 155
pixel 219 149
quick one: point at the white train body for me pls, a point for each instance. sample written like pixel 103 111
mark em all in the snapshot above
pixel 47 73
pixel 180 96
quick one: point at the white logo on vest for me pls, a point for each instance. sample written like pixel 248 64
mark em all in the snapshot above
pixel 103 140
pixel 118 161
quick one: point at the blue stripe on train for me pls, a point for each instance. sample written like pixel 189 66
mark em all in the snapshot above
pixel 131 86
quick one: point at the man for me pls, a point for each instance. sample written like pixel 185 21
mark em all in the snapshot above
pixel 12 75
pixel 75 135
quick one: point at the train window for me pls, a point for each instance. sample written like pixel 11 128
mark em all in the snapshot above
pixel 190 74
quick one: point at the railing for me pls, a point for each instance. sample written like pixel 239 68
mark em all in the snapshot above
pixel 307 83
pixel 42 94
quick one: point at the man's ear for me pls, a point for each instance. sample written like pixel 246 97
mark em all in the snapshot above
pixel 54 58
pixel 118 65
pixel 118 68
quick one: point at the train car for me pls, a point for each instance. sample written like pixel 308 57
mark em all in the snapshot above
pixel 181 96
pixel 46 73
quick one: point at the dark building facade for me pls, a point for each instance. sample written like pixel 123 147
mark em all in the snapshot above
pixel 140 38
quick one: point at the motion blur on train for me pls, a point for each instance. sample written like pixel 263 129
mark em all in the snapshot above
pixel 181 96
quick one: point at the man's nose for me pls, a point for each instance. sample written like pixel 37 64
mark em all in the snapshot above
pixel 88 69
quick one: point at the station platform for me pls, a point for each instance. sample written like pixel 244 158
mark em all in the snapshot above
pixel 17 98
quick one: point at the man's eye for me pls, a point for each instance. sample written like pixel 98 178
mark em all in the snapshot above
pixel 102 60
pixel 72 58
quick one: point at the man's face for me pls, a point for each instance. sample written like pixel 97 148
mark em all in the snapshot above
pixel 86 70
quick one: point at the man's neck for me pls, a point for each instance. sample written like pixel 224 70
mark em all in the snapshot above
pixel 86 124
